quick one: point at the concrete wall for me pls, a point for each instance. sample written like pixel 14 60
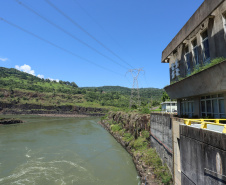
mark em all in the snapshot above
pixel 176 151
pixel 161 137
pixel 203 156
pixel 209 81
pixel 216 39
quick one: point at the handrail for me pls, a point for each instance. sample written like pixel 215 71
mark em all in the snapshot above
pixel 163 112
pixel 204 123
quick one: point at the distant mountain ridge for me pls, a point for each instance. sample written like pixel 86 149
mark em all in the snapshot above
pixel 20 88
pixel 151 92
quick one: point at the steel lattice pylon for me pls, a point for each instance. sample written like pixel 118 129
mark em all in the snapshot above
pixel 135 95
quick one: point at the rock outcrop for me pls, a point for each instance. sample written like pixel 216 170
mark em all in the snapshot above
pixel 11 108
pixel 5 121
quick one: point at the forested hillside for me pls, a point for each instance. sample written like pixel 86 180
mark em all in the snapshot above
pixel 21 88
pixel 151 93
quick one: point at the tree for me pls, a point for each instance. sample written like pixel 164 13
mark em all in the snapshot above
pixel 73 84
pixel 165 97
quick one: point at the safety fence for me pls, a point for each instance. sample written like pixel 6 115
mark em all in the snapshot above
pixel 205 122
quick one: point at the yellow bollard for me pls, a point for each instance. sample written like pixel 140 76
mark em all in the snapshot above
pixel 187 122
pixel 224 130
pixel 204 125
pixel 216 121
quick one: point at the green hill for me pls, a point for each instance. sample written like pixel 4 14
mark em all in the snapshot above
pixel 15 79
pixel 23 88
pixel 145 93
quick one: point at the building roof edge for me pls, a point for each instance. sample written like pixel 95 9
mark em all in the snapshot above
pixel 205 9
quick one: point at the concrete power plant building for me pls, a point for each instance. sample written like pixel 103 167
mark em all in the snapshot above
pixel 195 149
pixel 200 41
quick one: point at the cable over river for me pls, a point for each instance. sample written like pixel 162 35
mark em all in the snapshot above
pixel 46 151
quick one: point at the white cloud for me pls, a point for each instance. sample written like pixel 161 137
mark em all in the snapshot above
pixel 25 68
pixel 40 76
pixel 3 59
pixel 51 79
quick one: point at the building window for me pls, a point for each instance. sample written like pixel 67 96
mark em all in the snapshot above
pixel 205 47
pixel 195 52
pixel 187 60
pixel 213 106
pixel 175 71
pixel 187 108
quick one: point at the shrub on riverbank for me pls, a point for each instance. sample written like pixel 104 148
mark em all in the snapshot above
pixel 116 127
pixel 128 137
pixel 151 158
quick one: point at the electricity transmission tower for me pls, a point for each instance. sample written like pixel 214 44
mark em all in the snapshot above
pixel 135 95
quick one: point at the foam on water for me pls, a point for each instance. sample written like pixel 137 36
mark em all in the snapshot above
pixel 80 152
pixel 53 171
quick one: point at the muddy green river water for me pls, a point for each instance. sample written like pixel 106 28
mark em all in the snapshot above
pixel 61 151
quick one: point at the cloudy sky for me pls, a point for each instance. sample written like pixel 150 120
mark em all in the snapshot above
pixel 91 42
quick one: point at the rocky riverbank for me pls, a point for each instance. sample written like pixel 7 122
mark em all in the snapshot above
pixel 131 131
pixel 7 121
pixel 10 108
pixel 64 115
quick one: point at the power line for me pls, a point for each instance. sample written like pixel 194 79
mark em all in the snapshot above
pixel 52 44
pixel 101 27
pixel 94 20
pixel 81 28
pixel 68 33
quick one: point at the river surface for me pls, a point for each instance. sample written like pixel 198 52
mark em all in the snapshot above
pixel 61 151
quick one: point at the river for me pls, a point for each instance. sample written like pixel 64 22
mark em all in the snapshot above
pixel 48 151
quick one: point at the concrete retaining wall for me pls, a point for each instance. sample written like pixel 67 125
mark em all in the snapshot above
pixel 161 137
pixel 203 156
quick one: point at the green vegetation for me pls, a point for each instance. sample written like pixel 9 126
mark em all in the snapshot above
pixel 128 137
pixel 165 96
pixel 22 88
pixel 145 110
pixel 150 157
pixel 157 110
pixel 145 93
pixel 200 68
pixel 203 67
pixel 116 127
pixel 140 146
pixel 145 134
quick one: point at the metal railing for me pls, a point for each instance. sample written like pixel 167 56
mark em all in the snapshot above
pixel 205 122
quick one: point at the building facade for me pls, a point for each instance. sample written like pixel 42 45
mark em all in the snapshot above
pixel 169 106
pixel 201 42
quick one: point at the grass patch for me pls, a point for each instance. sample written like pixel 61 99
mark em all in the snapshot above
pixel 140 144
pixel 145 134
pixel 116 128
pixel 104 117
pixel 151 158
pixel 121 132
pixel 128 137
pixel 157 110
pixel 200 68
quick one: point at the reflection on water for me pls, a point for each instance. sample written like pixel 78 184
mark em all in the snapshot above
pixel 77 151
